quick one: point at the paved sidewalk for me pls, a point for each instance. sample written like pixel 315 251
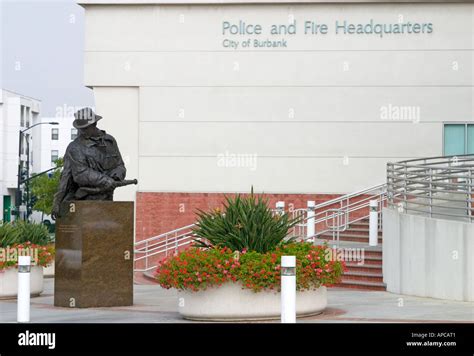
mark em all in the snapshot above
pixel 156 305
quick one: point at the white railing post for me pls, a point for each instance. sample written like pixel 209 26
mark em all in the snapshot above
pixel 373 223
pixel 280 207
pixel 288 289
pixel 470 197
pixel 310 221
pixel 380 210
pixel 146 255
pixel 430 193
pixel 23 306
pixel 176 244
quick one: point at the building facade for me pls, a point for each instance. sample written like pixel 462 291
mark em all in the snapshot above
pixel 17 112
pixel 302 101
pixel 50 142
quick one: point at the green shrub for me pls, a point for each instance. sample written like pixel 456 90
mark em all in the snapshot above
pixel 19 232
pixel 196 269
pixel 8 235
pixel 37 234
pixel 246 223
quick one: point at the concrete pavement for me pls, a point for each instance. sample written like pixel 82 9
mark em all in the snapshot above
pixel 156 305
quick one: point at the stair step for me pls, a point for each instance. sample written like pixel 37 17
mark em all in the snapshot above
pixel 365 228
pixel 363 239
pixel 372 262
pixel 358 230
pixel 368 274
pixel 150 275
pixel 143 279
pixel 351 283
pixel 354 267
pixel 348 237
pixel 349 244
pixel 345 234
pixel 375 258
pixel 365 268
pixel 362 277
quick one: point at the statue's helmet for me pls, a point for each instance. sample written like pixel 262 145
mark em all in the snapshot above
pixel 85 117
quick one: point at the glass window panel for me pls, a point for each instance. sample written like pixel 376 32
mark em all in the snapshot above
pixel 454 139
pixel 470 139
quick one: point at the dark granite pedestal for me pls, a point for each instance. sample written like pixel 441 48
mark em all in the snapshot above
pixel 94 255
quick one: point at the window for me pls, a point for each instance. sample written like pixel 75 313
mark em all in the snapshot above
pixel 73 134
pixel 54 155
pixel 458 139
pixel 22 116
pixel 27 116
pixel 54 134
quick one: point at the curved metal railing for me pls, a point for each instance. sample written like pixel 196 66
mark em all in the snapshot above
pixel 336 215
pixel 439 187
pixel 163 244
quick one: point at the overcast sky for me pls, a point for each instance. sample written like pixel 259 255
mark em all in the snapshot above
pixel 42 52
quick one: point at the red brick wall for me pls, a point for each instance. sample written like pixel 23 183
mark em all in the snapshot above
pixel 161 212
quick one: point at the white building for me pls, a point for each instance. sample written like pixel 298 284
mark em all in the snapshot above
pixel 303 100
pixel 17 112
pixel 50 142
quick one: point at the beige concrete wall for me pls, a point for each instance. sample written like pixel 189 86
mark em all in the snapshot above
pixel 428 257
pixel 119 107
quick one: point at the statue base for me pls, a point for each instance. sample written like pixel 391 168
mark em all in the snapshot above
pixel 94 254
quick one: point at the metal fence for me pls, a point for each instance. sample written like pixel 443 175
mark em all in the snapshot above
pixel 147 252
pixel 335 216
pixel 439 187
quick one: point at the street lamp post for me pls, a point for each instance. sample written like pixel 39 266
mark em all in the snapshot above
pixel 19 197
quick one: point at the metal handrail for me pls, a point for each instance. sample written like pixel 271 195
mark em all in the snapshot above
pixel 164 234
pixel 341 216
pixel 161 244
pixel 437 187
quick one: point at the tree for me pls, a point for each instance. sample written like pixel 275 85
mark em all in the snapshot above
pixel 44 187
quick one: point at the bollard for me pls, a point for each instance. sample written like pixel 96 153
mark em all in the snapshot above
pixel 23 307
pixel 310 223
pixel 373 223
pixel 280 207
pixel 288 289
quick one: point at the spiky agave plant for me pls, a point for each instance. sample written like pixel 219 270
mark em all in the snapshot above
pixel 246 222
pixel 37 234
pixel 8 235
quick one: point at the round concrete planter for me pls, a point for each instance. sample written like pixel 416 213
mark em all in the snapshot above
pixel 49 271
pixel 230 302
pixel 9 282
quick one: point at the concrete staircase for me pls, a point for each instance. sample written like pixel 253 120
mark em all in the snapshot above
pixel 366 271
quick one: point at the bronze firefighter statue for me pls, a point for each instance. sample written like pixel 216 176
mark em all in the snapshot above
pixel 93 165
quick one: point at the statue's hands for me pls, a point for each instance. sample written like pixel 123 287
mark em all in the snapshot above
pixel 116 176
pixel 55 212
pixel 109 183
